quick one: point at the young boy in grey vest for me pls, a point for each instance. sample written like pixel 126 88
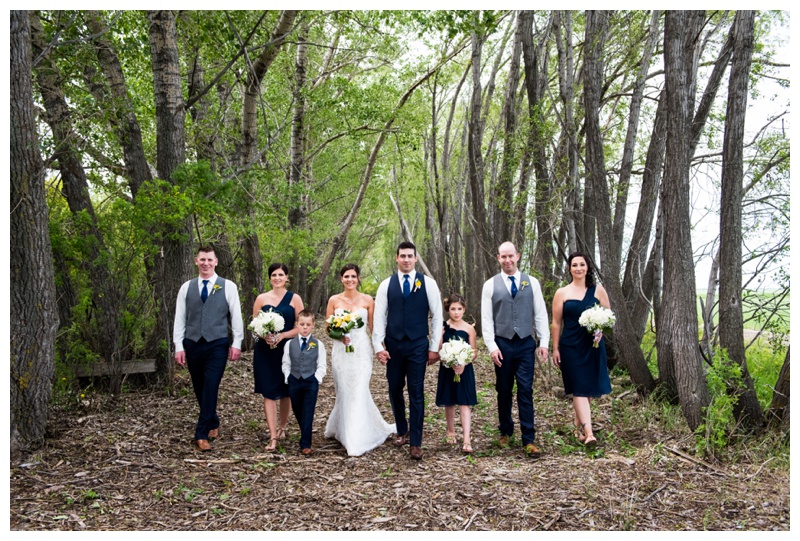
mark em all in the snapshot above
pixel 304 366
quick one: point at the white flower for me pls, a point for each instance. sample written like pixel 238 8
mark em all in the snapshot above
pixel 456 352
pixel 597 318
pixel 266 323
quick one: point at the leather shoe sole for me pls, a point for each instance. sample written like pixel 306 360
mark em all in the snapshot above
pixel 203 445
pixel 416 452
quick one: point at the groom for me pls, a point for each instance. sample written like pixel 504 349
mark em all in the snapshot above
pixel 402 305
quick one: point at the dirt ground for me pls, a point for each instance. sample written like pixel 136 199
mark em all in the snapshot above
pixel 130 464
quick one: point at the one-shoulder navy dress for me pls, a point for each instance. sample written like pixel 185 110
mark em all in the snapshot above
pixel 267 372
pixel 449 392
pixel 584 369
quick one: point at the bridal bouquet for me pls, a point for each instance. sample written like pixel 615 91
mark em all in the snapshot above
pixel 341 323
pixel 595 320
pixel 456 352
pixel 266 323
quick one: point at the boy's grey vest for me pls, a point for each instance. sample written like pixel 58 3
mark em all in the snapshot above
pixel 304 363
pixel 407 317
pixel 512 315
pixel 208 319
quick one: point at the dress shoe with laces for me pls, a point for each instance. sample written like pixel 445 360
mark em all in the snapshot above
pixel 532 451
pixel 203 445
pixel 416 452
pixel 503 442
pixel 399 441
pixel 213 434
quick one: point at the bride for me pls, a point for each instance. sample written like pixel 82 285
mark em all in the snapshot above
pixel 355 420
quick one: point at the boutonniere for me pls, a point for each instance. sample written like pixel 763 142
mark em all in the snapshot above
pixel 312 345
pixel 524 283
pixel 216 288
pixel 417 285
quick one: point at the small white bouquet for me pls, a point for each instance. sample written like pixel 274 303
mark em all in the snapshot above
pixel 456 352
pixel 341 323
pixel 597 319
pixel 266 323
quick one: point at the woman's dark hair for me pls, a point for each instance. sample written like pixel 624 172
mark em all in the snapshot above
pixel 350 266
pixel 589 267
pixel 454 298
pixel 276 266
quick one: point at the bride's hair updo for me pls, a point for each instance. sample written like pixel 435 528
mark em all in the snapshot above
pixel 350 266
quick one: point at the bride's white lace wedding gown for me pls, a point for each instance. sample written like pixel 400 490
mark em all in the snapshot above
pixel 355 420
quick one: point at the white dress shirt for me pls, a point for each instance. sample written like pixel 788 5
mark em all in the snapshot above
pixel 540 326
pixel 380 315
pixel 322 360
pixel 234 308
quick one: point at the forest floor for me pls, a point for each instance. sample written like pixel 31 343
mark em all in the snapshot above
pixel 130 464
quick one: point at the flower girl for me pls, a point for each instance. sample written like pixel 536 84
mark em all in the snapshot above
pixel 456 384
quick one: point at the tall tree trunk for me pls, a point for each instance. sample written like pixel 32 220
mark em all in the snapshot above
pixel 174 266
pixel 731 320
pixel 535 60
pixel 679 359
pixel 503 190
pixel 629 352
pixel 105 327
pixel 779 408
pixel 33 314
pixel 475 163
pixel 298 213
pixel 252 265
pixel 123 115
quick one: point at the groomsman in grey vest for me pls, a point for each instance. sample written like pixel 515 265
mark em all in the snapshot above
pixel 512 308
pixel 400 324
pixel 206 306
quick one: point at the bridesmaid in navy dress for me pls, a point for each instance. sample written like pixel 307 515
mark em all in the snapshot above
pixel 268 353
pixel 449 393
pixel 584 368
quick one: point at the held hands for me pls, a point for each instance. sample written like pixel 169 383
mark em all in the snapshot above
pixel 383 356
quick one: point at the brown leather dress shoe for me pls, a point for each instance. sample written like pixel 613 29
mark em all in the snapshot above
pixel 203 445
pixel 399 441
pixel 307 451
pixel 532 451
pixel 213 434
pixel 416 452
pixel 503 441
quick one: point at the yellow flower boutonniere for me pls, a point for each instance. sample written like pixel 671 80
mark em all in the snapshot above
pixel 524 283
pixel 417 285
pixel 312 345
pixel 216 288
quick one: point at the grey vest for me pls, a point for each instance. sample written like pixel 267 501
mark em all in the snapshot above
pixel 208 319
pixel 512 316
pixel 304 363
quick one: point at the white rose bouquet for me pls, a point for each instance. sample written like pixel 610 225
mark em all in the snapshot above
pixel 266 323
pixel 341 323
pixel 597 319
pixel 456 352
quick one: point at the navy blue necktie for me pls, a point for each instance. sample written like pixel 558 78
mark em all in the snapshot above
pixel 513 287
pixel 204 293
pixel 304 345
pixel 406 286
